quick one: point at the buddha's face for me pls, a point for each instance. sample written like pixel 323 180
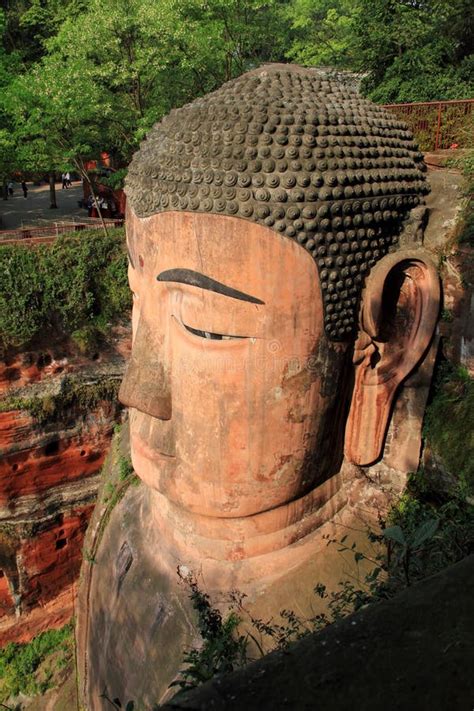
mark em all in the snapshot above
pixel 233 388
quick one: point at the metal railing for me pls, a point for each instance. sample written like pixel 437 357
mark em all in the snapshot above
pixel 438 125
pixel 47 233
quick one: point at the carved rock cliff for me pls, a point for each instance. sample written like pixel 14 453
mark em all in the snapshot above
pixel 57 412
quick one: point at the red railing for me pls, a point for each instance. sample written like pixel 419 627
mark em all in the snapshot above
pixel 48 232
pixel 438 124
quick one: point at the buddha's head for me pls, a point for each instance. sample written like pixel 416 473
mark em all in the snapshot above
pixel 274 314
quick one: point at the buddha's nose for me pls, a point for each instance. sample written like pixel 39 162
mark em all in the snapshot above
pixel 146 384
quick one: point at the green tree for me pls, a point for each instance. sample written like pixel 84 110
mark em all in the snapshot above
pixel 415 50
pixel 148 57
pixel 322 32
pixel 408 50
pixel 107 70
pixel 57 113
pixel 29 23
pixel 9 66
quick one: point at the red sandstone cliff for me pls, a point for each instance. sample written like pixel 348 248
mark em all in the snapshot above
pixel 57 411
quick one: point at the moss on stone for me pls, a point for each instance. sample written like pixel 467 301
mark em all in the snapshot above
pixel 74 397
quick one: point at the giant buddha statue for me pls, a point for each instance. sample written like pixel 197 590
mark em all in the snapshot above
pixel 281 299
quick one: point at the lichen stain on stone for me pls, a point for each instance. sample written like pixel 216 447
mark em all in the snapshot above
pixel 296 415
pixel 297 382
pixel 123 564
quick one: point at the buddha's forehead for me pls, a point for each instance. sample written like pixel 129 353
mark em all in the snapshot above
pixel 225 249
pixel 302 155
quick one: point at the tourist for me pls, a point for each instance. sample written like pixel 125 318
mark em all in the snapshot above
pixel 90 205
pixel 10 188
pixel 104 207
pixel 64 181
pixel 24 188
pixel 68 180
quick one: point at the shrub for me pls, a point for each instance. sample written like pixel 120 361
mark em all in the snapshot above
pixel 222 650
pixel 86 338
pixel 74 397
pixel 20 663
pixel 125 468
pixel 21 295
pixel 466 220
pixel 77 284
pixel 449 422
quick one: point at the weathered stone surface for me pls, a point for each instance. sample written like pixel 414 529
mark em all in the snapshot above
pixel 51 560
pixel 7 605
pixel 269 368
pixel 398 316
pixel 50 460
pixel 444 204
pixel 39 562
pixel 52 615
pixel 134 612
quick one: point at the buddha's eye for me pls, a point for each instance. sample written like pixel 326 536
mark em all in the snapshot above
pixel 210 336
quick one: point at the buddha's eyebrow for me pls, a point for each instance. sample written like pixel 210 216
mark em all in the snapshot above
pixel 188 276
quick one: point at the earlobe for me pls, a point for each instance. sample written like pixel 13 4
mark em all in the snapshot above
pixel 400 306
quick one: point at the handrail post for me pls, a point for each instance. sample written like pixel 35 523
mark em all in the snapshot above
pixel 438 127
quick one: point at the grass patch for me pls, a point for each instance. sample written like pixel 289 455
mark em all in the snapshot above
pixel 33 668
pixel 125 468
pixel 113 491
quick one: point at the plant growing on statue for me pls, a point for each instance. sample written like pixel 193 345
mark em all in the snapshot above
pixel 125 468
pixel 448 427
pixel 89 556
pixel 405 545
pixel 422 539
pixel 29 668
pixel 447 316
pixel 110 492
pixel 223 649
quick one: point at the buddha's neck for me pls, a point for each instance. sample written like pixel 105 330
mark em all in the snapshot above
pixel 234 550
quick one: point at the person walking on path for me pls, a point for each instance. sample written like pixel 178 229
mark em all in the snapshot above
pixel 24 188
pixel 64 181
pixel 10 188
pixel 68 180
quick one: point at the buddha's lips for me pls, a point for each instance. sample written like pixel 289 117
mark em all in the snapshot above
pixel 151 434
pixel 144 450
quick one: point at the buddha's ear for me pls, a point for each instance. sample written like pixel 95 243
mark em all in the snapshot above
pixel 400 306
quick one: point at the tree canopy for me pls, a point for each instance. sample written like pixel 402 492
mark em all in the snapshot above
pixel 78 77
